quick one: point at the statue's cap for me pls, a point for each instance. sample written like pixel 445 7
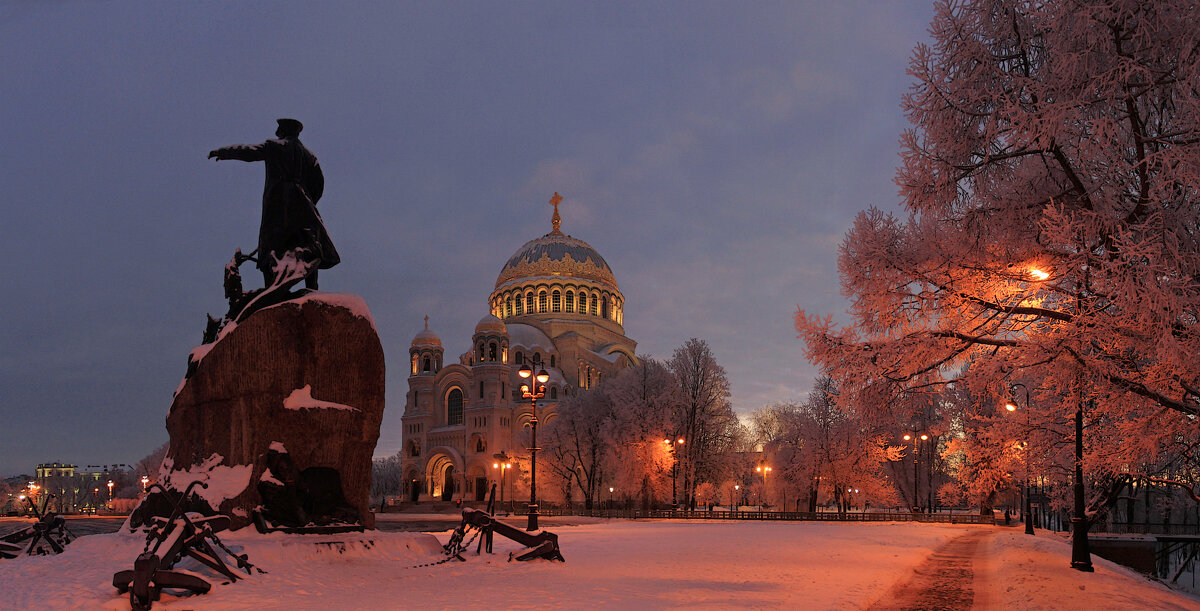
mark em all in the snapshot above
pixel 290 126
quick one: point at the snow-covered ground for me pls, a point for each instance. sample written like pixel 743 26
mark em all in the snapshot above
pixel 610 564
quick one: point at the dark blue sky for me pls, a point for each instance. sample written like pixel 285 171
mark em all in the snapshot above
pixel 713 152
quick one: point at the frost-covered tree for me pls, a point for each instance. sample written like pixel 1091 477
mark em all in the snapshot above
pixel 704 416
pixel 819 449
pixel 1051 179
pixel 644 399
pixel 576 445
pixel 387 478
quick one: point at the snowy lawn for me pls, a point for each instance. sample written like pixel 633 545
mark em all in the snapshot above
pixel 617 564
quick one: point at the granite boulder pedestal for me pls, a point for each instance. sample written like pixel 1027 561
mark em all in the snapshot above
pixel 279 417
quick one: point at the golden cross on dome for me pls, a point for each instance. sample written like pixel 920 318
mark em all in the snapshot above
pixel 426 322
pixel 556 219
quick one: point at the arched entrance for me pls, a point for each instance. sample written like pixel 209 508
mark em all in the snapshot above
pixel 448 483
pixel 441 477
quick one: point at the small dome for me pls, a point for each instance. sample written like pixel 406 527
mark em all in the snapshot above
pixel 427 337
pixel 490 324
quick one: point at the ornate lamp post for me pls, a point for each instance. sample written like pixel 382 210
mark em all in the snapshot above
pixel 1028 504
pixel 537 391
pixel 674 463
pixel 610 491
pixel 736 490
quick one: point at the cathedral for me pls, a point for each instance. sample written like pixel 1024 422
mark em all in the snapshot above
pixel 555 306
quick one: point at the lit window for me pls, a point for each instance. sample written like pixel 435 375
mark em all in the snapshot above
pixel 570 302
pixel 542 301
pixel 454 407
pixel 556 301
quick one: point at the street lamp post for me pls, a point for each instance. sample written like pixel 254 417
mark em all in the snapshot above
pixel 674 463
pixel 1028 503
pixel 914 438
pixel 1081 557
pixel 533 393
pixel 610 504
pixel 736 490
pixel 503 466
pixel 764 469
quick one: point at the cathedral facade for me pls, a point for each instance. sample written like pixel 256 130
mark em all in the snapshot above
pixel 555 305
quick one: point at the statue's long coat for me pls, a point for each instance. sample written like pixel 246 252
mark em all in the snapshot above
pixel 289 210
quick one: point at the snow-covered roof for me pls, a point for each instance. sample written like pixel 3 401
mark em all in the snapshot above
pixel 604 354
pixel 527 336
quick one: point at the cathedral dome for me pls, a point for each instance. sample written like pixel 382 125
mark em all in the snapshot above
pixel 556 255
pixel 554 276
pixel 490 325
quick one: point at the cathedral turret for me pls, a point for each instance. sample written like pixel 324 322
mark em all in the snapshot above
pixel 426 352
pixel 491 341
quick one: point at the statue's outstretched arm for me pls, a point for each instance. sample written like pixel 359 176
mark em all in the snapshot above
pixel 241 152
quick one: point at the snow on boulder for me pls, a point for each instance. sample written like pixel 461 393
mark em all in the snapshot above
pixel 302 398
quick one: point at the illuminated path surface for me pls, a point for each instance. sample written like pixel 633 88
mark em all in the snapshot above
pixel 945 581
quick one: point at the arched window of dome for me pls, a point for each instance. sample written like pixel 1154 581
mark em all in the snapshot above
pixel 503 353
pixel 552 360
pixel 519 359
pixel 425 365
pixel 595 305
pixel 604 306
pixel 508 307
pixel 553 392
pixel 556 301
pixel 454 407
pixel 537 359
pixel 415 358
pixel 542 302
pixel 518 306
pixel 492 352
pixel 529 306
pixel 570 305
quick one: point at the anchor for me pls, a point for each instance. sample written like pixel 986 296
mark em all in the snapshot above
pixel 541 545
pixel 50 529
pixel 167 542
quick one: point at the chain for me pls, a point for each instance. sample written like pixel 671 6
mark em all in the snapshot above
pixel 243 561
pixel 453 548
